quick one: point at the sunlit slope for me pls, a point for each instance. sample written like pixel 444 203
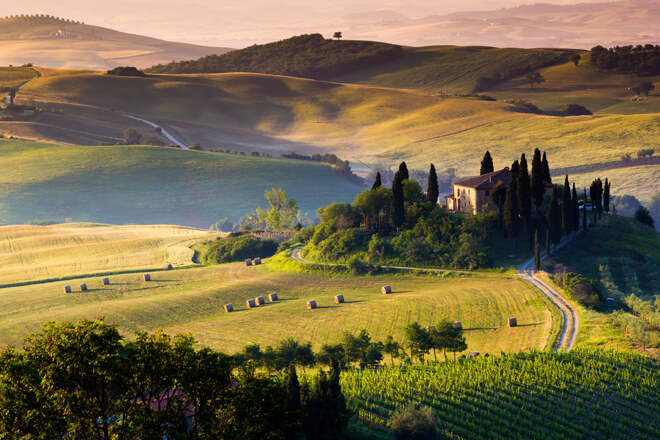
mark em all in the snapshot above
pixel 191 301
pixel 151 185
pixel 29 253
pixel 452 69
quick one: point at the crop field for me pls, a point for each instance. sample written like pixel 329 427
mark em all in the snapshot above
pixel 580 394
pixel 640 181
pixel 15 76
pixel 31 253
pixel 152 185
pixel 190 300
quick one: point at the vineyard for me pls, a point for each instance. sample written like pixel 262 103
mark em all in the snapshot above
pixel 577 394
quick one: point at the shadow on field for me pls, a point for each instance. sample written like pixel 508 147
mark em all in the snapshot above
pixel 479 328
pixel 528 325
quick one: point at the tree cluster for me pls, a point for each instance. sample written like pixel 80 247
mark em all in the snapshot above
pixel 639 60
pixel 307 56
pixel 125 71
pixel 134 137
pixel 342 167
pixel 238 246
pixel 488 82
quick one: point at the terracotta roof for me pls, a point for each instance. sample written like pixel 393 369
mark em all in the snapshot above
pixel 487 181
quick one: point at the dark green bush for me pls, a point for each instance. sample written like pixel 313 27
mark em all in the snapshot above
pixel 237 248
pixel 576 109
pixel 410 423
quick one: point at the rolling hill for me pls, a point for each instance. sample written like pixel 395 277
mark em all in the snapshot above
pixel 55 42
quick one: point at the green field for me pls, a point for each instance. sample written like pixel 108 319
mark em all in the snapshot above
pixel 151 185
pixel 15 76
pixel 581 394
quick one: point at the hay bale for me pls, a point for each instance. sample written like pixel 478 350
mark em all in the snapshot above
pixel 147 277
pixel 105 281
pixel 168 266
pixel 311 304
pixel 473 354
pixel 67 289
pixel 386 290
pixel 250 304
pixel 339 299
pixel 259 300
pixel 83 287
pixel 257 261
pixel 248 262
pixel 272 297
pixel 229 308
pixel 513 322
pixel 457 324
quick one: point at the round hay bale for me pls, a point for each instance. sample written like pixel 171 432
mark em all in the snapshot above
pixel 386 290
pixel 513 322
pixel 146 277
pixel 105 281
pixel 168 266
pixel 259 301
pixel 473 354
pixel 248 262
pixel 83 287
pixel 272 297
pixel 311 304
pixel 250 303
pixel 257 261
pixel 457 324
pixel 67 289
pixel 229 308
pixel 339 299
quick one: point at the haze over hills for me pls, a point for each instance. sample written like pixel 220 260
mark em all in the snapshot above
pixel 61 43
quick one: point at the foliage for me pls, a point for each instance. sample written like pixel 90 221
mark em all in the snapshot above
pixel 524 105
pixel 223 225
pixel 432 189
pixel 643 215
pixel 576 109
pixel 238 247
pixel 413 424
pixel 308 56
pixel 486 164
pixel 125 71
pixel 534 78
pixel 640 60
pixel 282 211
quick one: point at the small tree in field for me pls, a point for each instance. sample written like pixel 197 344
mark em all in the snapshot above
pixel 282 211
pixel 576 59
pixel 337 35
pixel 131 136
pixel 534 78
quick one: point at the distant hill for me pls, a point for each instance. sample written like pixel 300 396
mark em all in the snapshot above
pixel 50 41
pixel 307 56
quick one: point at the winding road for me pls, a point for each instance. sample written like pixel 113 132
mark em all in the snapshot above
pixel 570 322
pixel 162 130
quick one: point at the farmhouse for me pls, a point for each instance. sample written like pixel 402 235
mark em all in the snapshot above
pixel 473 195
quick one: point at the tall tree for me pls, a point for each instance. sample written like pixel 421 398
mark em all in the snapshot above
pixel 282 211
pixel 511 214
pixel 538 187
pixel 546 169
pixel 487 164
pixel 537 251
pixel 606 196
pixel 377 182
pixel 403 171
pixel 432 188
pixel 498 196
pixel 566 208
pixel 576 209
pixel 515 169
pixel 397 209
pixel 524 191
pixel 584 211
pixel 534 78
pixel 554 217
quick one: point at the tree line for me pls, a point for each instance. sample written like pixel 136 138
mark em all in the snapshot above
pixel 639 60
pixel 307 56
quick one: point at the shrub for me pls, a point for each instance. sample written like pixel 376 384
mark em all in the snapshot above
pixel 410 423
pixel 196 146
pixel 576 109
pixel 643 215
pixel 125 71
pixel 224 225
pixel 524 105
pixel 238 247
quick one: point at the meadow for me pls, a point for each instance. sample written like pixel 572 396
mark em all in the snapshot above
pixel 15 76
pixel 152 185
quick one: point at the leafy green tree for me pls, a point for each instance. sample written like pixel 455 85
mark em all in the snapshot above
pixel 376 249
pixel 534 78
pixel 546 169
pixel 566 208
pixel 432 189
pixel 538 186
pixel 403 171
pixel 377 182
pixel 391 348
pixel 410 423
pixel 337 35
pixel 282 211
pixel 643 215
pixel 487 164
pixel 418 340
pixel 397 209
pixel 131 136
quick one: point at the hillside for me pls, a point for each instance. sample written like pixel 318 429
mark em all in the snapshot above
pixel 55 42
pixel 306 56
pixel 151 185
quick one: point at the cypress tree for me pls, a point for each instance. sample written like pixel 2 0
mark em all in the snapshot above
pixel 397 210
pixel 524 190
pixel 576 209
pixel 546 169
pixel 584 212
pixel 511 215
pixel 432 189
pixel 538 188
pixel 537 251
pixel 566 208
pixel 487 164
pixel 515 169
pixel 547 241
pixel 554 217
pixel 606 196
pixel 600 196
pixel 403 170
pixel 498 196
pixel 377 183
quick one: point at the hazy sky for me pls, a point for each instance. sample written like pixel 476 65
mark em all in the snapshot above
pixel 235 23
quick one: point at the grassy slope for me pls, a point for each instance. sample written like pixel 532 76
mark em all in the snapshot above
pixel 191 300
pixel 31 253
pixel 625 180
pixel 151 185
pixel 15 76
